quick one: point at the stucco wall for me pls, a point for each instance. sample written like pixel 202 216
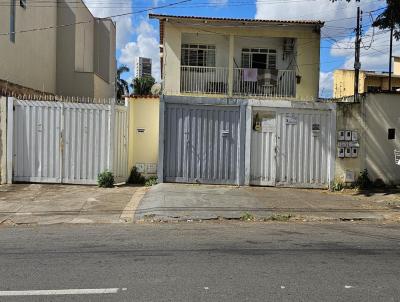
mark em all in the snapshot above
pixel 31 60
pixel 308 51
pixel 143 146
pixel 373 117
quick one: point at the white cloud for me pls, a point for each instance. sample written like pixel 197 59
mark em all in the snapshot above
pixel 374 56
pixel 326 84
pixel 146 45
pixel 338 15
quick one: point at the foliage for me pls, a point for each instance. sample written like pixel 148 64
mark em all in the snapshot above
pixel 135 178
pixel 106 180
pixel 363 181
pixel 122 85
pixel 390 18
pixel 142 86
pixel 247 217
pixel 337 185
pixel 151 181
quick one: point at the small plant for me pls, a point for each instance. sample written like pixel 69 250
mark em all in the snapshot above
pixel 135 178
pixel 363 182
pixel 106 180
pixel 247 217
pixel 151 181
pixel 337 186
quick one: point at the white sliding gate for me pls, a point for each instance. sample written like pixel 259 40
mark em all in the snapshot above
pixel 61 142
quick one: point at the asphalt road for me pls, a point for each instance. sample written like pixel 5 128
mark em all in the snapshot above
pixel 201 262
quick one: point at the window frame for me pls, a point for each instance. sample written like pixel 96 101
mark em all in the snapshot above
pixel 204 52
pixel 269 52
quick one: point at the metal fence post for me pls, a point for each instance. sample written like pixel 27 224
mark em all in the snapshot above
pixel 10 139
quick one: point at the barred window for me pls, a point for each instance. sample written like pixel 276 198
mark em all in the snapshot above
pixel 260 58
pixel 198 55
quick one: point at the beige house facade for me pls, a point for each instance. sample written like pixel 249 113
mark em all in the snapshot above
pixel 369 81
pixel 57 49
pixel 222 57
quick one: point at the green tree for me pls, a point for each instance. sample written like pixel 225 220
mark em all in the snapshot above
pixel 122 85
pixel 142 85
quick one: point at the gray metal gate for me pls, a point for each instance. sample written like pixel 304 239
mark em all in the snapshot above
pixel 202 143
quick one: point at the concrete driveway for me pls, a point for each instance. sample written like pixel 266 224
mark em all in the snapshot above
pixel 200 202
pixel 52 204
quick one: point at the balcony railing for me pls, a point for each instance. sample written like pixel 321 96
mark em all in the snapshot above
pixel 204 80
pixel 269 83
pixel 214 80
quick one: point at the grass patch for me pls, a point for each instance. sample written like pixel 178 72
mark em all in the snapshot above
pixel 247 217
pixel 280 217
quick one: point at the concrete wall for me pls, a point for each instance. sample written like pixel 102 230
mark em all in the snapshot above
pixel 143 146
pixel 31 60
pixel 373 116
pixel 3 140
pixel 60 60
pixel 308 50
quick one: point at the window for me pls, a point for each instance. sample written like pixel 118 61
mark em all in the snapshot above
pixel 198 55
pixel 391 133
pixel 373 89
pixel 22 3
pixel 260 58
pixel 12 21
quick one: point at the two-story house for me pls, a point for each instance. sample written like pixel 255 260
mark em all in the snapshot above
pixel 59 49
pixel 239 103
pixel 239 57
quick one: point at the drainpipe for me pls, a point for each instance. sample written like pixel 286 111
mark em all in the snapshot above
pixel 230 64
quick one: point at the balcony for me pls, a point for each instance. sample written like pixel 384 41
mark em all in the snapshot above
pixel 246 82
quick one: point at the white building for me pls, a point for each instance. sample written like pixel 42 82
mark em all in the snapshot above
pixel 143 67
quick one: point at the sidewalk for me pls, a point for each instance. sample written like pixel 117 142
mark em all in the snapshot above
pixel 55 204
pixel 168 202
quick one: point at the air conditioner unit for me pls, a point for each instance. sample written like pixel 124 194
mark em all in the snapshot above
pixel 288 45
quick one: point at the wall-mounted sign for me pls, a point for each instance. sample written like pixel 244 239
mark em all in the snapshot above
pixel 291 119
pixel 343 144
pixel 141 130
pixel 268 125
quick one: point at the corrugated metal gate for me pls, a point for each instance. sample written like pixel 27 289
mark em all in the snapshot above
pixel 291 147
pixel 59 142
pixel 202 143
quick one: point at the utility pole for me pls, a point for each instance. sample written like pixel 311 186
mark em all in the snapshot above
pixel 357 64
pixel 390 58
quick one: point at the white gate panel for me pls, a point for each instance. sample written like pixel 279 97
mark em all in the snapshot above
pixel 263 156
pixel 37 134
pixel 303 148
pixel 57 142
pixel 85 142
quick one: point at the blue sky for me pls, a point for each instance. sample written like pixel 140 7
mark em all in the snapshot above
pixel 138 36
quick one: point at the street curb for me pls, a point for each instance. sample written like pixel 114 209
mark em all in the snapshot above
pixel 129 211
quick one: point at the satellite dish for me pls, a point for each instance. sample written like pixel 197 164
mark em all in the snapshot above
pixel 156 89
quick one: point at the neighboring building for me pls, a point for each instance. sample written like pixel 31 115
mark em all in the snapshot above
pixel 143 67
pixel 239 57
pixel 370 81
pixel 58 49
pixel 373 122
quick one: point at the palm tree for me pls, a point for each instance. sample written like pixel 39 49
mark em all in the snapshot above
pixel 122 85
pixel 390 19
pixel 142 86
